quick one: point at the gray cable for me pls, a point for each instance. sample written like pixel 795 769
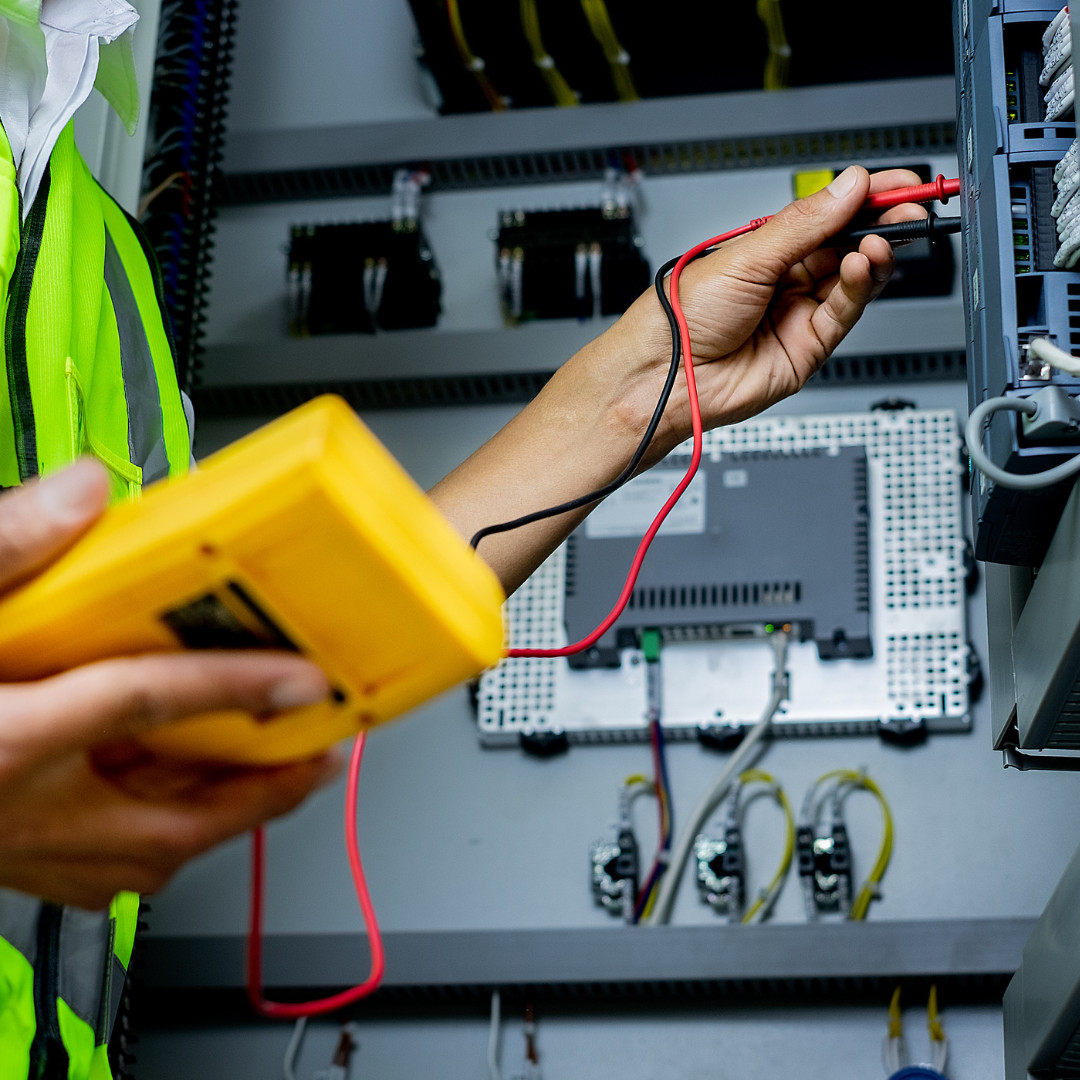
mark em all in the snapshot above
pixel 493 1036
pixel 292 1051
pixel 980 459
pixel 669 883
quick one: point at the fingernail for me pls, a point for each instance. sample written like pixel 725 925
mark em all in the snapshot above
pixel 304 688
pixel 844 182
pixel 72 495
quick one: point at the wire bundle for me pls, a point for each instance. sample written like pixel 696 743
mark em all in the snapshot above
pixel 187 127
pixel 1057 72
pixel 661 785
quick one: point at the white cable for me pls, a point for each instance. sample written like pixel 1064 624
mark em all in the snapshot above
pixel 292 1051
pixel 1059 98
pixel 1055 25
pixel 982 462
pixel 517 274
pixel 1048 352
pixel 380 284
pixel 493 1036
pixel 669 883
pixel 596 256
pixel 581 260
pixel 893 1054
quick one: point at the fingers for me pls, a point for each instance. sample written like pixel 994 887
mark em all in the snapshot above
pixel 799 229
pixel 115 699
pixel 42 519
pixel 85 850
pixel 863 274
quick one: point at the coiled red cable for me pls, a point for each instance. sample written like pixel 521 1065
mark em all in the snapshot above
pixel 280 1010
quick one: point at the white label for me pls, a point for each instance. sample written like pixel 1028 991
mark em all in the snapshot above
pixel 964 17
pixel 735 478
pixel 631 509
pixel 975 290
pixel 970 149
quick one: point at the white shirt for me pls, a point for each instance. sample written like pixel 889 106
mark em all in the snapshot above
pixel 50 59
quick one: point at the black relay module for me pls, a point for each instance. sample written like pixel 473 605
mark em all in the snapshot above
pixel 758 538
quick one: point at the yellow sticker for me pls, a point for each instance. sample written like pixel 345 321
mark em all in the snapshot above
pixel 806 183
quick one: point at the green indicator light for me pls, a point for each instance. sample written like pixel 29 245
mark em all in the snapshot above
pixel 769 628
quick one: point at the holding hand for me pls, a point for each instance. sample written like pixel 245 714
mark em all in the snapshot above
pixel 86 811
pixel 767 309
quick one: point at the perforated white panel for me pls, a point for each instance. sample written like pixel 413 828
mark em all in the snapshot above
pixel 919 667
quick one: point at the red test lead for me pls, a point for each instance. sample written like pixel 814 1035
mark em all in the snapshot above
pixel 939 190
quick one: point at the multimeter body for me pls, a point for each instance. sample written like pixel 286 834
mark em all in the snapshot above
pixel 306 535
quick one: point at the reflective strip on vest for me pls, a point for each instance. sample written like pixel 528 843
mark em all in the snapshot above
pixel 18 921
pixel 146 437
pixel 84 962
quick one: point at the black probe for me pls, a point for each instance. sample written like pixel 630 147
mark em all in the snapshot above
pixel 928 228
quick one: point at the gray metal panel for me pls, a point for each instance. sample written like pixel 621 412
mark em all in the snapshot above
pixel 1007 589
pixel 664 120
pixel 1046 645
pixel 889 327
pixel 610 955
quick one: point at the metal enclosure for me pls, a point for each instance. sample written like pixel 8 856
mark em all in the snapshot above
pixel 1042 1004
pixel 1012 292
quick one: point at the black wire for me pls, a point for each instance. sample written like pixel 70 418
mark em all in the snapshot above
pixel 639 453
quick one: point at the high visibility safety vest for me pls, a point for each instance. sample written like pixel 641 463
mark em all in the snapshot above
pixel 87 368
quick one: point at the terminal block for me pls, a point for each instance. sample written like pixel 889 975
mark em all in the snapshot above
pixel 721 872
pixel 825 870
pixel 1008 145
pixel 615 869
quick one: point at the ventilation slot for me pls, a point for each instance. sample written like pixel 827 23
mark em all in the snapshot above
pixel 743 594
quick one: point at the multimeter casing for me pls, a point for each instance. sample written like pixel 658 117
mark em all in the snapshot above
pixel 306 535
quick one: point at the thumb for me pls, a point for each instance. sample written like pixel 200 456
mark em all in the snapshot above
pixel 800 228
pixel 40 520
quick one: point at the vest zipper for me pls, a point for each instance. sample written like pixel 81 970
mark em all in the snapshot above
pixel 48 1055
pixel 18 371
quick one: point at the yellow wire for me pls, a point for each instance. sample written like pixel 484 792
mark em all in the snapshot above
pixel 756 775
pixel 560 89
pixel 617 57
pixel 937 1032
pixel 869 890
pixel 472 62
pixel 896 1018
pixel 861 904
pixel 779 61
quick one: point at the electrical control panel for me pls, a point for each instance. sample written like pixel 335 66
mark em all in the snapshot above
pixel 1009 141
pixel 918 671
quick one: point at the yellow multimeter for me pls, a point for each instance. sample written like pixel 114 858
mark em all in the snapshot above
pixel 305 535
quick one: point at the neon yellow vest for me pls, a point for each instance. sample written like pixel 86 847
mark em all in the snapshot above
pixel 87 368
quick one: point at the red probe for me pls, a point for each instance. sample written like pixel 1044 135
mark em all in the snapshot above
pixel 922 193
pixel 940 190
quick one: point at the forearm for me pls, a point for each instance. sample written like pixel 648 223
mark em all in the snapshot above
pixel 575 436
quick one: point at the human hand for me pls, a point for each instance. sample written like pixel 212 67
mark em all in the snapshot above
pixel 86 811
pixel 764 311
